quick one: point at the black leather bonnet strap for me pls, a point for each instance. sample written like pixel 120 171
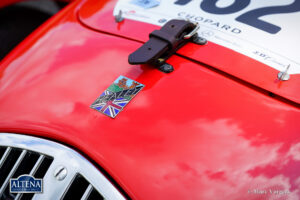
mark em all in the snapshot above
pixel 163 43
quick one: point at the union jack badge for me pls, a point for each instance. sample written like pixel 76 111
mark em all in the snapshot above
pixel 112 101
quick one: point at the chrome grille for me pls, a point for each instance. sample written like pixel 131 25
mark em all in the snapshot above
pixel 65 173
pixel 15 162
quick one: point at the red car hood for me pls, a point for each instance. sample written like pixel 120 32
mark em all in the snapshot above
pixel 99 17
pixel 196 133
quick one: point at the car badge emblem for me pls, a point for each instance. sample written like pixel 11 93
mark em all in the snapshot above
pixel 112 101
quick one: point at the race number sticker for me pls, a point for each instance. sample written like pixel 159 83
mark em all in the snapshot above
pixel 268 31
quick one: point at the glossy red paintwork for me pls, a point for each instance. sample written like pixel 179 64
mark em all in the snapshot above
pixel 196 133
pixel 93 13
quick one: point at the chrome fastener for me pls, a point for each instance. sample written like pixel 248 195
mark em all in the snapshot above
pixel 284 76
pixel 60 173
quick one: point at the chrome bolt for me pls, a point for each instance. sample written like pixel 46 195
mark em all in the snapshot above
pixel 119 17
pixel 162 20
pixel 60 173
pixel 167 68
pixel 284 76
pixel 199 40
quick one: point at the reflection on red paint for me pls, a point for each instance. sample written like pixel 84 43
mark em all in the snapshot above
pixel 190 134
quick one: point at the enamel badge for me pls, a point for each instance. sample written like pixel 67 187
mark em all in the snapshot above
pixel 112 101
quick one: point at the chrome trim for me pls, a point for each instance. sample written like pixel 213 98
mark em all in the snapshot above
pixel 73 161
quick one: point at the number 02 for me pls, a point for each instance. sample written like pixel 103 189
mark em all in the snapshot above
pixel 250 18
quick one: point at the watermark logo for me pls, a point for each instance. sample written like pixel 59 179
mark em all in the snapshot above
pixel 26 184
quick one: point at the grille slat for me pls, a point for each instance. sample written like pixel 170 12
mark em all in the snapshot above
pixel 87 192
pixel 2 151
pixel 27 164
pixel 19 195
pixel 95 195
pixel 76 188
pixel 44 166
pixel 80 187
pixel 5 155
pixel 37 164
pixel 12 171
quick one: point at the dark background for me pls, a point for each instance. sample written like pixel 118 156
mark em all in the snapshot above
pixel 17 21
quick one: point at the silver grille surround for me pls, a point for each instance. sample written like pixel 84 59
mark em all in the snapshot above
pixel 63 156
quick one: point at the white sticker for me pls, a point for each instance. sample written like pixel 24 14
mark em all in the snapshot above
pixel 267 31
pixel 145 3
